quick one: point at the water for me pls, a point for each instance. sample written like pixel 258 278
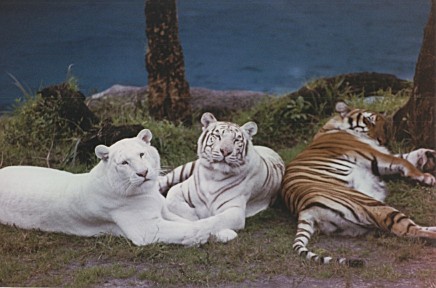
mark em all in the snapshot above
pixel 273 46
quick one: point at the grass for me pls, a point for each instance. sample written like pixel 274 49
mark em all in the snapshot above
pixel 261 253
pixel 262 250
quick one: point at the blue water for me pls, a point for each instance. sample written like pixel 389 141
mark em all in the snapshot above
pixel 269 45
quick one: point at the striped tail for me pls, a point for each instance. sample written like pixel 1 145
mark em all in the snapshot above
pixel 176 176
pixel 305 230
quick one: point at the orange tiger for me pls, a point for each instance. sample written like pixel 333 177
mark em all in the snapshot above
pixel 334 185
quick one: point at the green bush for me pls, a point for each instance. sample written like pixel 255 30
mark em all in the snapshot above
pixel 35 133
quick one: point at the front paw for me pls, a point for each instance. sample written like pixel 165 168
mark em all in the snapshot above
pixel 423 159
pixel 427 179
pixel 225 235
pixel 195 235
pixel 195 240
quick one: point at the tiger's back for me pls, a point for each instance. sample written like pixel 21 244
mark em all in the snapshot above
pixel 268 190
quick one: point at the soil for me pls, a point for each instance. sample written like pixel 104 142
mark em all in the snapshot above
pixel 282 281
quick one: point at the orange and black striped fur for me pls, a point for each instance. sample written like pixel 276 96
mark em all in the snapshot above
pixel 334 185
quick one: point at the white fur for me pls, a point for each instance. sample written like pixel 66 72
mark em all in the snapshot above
pixel 119 196
pixel 204 195
pixel 362 179
pixel 417 157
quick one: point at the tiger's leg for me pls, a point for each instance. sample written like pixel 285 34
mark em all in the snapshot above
pixel 386 164
pixel 392 220
pixel 178 203
pixel 176 176
pixel 225 223
pixel 307 222
pixel 143 231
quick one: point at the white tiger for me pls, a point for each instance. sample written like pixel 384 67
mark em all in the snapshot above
pixel 119 196
pixel 231 180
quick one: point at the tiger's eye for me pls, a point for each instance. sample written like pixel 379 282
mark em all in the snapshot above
pixel 141 155
pixel 125 163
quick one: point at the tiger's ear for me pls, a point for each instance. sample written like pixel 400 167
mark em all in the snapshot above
pixel 207 119
pixel 102 152
pixel 250 128
pixel 145 135
pixel 342 108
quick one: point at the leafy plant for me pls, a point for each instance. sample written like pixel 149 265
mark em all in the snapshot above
pixel 323 95
pixel 34 131
pixel 282 121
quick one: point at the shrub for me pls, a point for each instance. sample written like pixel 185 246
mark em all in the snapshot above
pixel 34 132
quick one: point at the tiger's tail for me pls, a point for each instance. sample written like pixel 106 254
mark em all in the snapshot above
pixel 389 219
pixel 305 230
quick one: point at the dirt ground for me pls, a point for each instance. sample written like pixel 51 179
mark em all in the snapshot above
pixel 426 260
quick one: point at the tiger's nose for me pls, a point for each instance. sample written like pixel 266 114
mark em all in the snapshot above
pixel 142 174
pixel 225 152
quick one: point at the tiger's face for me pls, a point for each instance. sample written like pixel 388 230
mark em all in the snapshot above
pixel 357 121
pixel 375 127
pixel 131 163
pixel 224 145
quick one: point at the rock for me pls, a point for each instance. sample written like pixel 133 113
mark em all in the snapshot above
pixel 130 94
pixel 218 102
pixel 325 92
pixel 120 91
pixel 70 106
pixel 221 102
pixel 106 134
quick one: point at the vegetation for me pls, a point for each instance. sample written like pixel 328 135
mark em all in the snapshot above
pixel 261 253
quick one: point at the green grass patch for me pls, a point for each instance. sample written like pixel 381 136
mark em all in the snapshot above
pixel 262 251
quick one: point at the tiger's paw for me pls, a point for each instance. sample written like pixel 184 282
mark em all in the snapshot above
pixel 423 159
pixel 195 240
pixel 427 179
pixel 225 235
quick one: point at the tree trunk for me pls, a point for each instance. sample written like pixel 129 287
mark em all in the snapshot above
pixel 169 96
pixel 415 122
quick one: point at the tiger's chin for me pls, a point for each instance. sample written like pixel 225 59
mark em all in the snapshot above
pixel 143 184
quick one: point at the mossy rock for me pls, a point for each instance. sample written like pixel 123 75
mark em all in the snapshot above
pixel 69 104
